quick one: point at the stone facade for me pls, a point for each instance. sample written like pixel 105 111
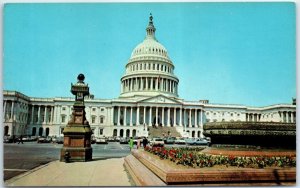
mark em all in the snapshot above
pixel 149 96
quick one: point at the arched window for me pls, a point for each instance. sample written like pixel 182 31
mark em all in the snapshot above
pixel 115 132
pixel 133 133
pixel 41 131
pixel 33 133
pixel 93 119
pixel 121 133
pixel 47 131
pixel 6 128
pixel 198 135
pixel 127 133
pixel 101 120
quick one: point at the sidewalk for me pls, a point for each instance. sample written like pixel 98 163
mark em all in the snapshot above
pixel 106 172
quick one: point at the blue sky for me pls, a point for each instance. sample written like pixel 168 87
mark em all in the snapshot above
pixel 229 53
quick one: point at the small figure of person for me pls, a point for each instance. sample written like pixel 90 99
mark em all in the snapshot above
pixel 14 139
pixel 131 143
pixel 20 139
pixel 138 143
pixel 145 142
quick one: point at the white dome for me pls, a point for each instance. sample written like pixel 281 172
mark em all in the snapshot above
pixel 149 71
pixel 149 46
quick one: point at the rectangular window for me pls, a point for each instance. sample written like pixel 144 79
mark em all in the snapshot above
pixel 93 119
pixel 101 120
pixel 63 119
pixel 101 131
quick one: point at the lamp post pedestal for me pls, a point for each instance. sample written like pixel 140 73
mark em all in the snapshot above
pixel 77 134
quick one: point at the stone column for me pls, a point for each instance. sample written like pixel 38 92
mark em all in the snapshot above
pixel 184 119
pixel 174 87
pixel 132 84
pixel 125 116
pixel 39 114
pixel 175 118
pixel 156 87
pixel 12 110
pixel 45 115
pixel 112 115
pixel 195 118
pixel 180 117
pixel 119 115
pixel 201 118
pixel 292 117
pixel 146 83
pixel 142 83
pixel 144 115
pixel 156 114
pixel 169 117
pixel 190 118
pixel 137 121
pixel 52 114
pixel 150 116
pixel 151 84
pixel 130 122
pixel 4 109
pixel 163 116
pixel 32 113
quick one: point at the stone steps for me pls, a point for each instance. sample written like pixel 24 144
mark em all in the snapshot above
pixel 140 174
pixel 143 168
pixel 163 131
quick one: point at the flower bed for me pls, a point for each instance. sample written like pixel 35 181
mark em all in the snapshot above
pixel 194 158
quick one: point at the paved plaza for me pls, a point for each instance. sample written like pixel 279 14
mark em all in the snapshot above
pixel 106 172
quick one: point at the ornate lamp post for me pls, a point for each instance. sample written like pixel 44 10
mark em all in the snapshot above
pixel 77 134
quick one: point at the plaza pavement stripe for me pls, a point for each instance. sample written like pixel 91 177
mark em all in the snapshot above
pixel 20 170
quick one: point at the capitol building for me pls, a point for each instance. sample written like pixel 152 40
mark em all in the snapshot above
pixel 148 97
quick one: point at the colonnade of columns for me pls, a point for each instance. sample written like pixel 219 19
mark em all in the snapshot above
pixel 287 116
pixel 253 117
pixel 15 111
pixel 42 114
pixel 158 116
pixel 150 84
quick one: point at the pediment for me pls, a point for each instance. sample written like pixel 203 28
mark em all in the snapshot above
pixel 160 99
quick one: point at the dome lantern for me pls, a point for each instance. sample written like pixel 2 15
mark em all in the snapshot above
pixel 150 29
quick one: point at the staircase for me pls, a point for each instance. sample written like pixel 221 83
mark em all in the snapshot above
pixel 159 131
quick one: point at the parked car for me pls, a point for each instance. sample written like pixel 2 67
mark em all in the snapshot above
pixel 201 141
pixel 124 140
pixel 190 141
pixel 157 142
pixel 8 139
pixel 101 140
pixel 58 140
pixel 44 139
pixel 111 139
pixel 170 140
pixel 208 140
pixel 180 141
